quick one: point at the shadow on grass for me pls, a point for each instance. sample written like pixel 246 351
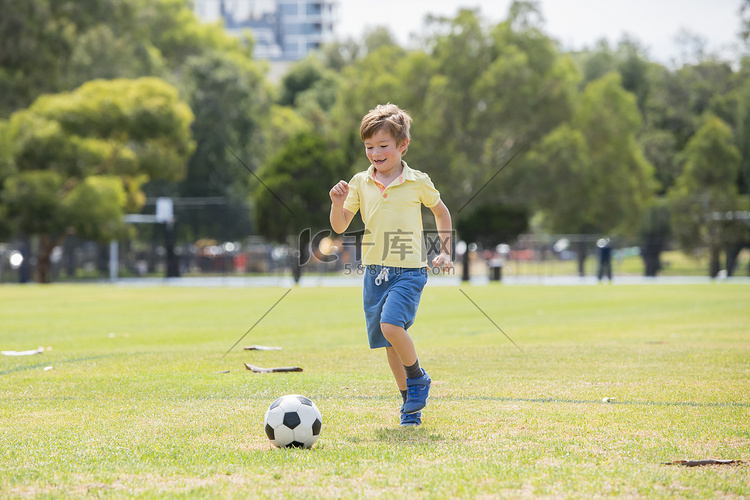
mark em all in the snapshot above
pixel 408 435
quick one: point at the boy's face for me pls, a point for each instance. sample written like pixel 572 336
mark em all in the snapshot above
pixel 383 152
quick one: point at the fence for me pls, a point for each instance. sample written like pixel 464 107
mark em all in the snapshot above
pixel 529 256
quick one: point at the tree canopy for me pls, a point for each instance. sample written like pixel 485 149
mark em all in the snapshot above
pixel 706 191
pixel 293 195
pixel 81 158
pixel 593 141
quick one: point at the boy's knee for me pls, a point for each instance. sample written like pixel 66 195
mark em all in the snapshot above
pixel 389 330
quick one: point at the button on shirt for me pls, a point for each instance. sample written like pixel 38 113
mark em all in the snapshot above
pixel 392 216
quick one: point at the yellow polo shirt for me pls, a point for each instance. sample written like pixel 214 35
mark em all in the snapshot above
pixel 392 216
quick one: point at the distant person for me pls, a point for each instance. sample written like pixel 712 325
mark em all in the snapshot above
pixel 389 196
pixel 605 259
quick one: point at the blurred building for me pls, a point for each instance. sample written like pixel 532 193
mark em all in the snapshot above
pixel 284 30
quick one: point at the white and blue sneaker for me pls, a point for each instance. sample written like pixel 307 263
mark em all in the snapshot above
pixel 417 393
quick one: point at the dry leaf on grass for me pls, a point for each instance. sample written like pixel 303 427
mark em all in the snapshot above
pixel 280 369
pixel 696 463
pixel 30 352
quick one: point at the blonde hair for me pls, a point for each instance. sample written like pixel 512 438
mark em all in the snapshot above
pixel 390 117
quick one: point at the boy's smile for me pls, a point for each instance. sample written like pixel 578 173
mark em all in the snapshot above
pixel 384 153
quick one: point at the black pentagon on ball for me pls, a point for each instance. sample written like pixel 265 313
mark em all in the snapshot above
pixel 316 427
pixel 270 433
pixel 305 401
pixel 296 444
pixel 291 420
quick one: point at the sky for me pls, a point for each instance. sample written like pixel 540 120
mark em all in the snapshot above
pixel 575 24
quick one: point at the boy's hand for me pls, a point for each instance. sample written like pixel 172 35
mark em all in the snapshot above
pixel 339 192
pixel 443 262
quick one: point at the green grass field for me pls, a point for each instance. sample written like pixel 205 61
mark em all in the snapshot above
pixel 133 401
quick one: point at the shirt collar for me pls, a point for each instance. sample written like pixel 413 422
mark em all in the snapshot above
pixel 407 174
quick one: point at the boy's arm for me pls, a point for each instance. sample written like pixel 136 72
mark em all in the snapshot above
pixel 340 217
pixel 445 232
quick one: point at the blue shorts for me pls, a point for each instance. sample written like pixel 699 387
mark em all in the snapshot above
pixel 391 295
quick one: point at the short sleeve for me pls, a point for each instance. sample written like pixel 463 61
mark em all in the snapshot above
pixel 429 195
pixel 352 200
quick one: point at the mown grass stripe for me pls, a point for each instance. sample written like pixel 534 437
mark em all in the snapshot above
pixel 50 363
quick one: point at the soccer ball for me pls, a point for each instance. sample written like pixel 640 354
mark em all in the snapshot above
pixel 293 421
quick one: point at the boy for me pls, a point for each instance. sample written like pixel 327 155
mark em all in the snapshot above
pixel 389 195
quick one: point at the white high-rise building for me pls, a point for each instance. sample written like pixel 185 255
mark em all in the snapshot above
pixel 284 30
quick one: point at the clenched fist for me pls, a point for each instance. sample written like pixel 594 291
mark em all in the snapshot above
pixel 339 192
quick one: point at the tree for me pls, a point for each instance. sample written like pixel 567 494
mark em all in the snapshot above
pixel 591 176
pixel 479 95
pixel 634 68
pixel 82 157
pixel 6 152
pixel 304 76
pixel 677 100
pixel 745 17
pixel 706 191
pixel 282 127
pixel 597 62
pixel 622 177
pixel 37 39
pixel 339 54
pixel 51 46
pixel 293 195
pixel 562 166
pixel 230 100
pixel 628 59
pixel 363 86
pixel 378 37
pixel 659 147
pixel 654 235
pixel 742 128
pixel 6 170
pixel 311 90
